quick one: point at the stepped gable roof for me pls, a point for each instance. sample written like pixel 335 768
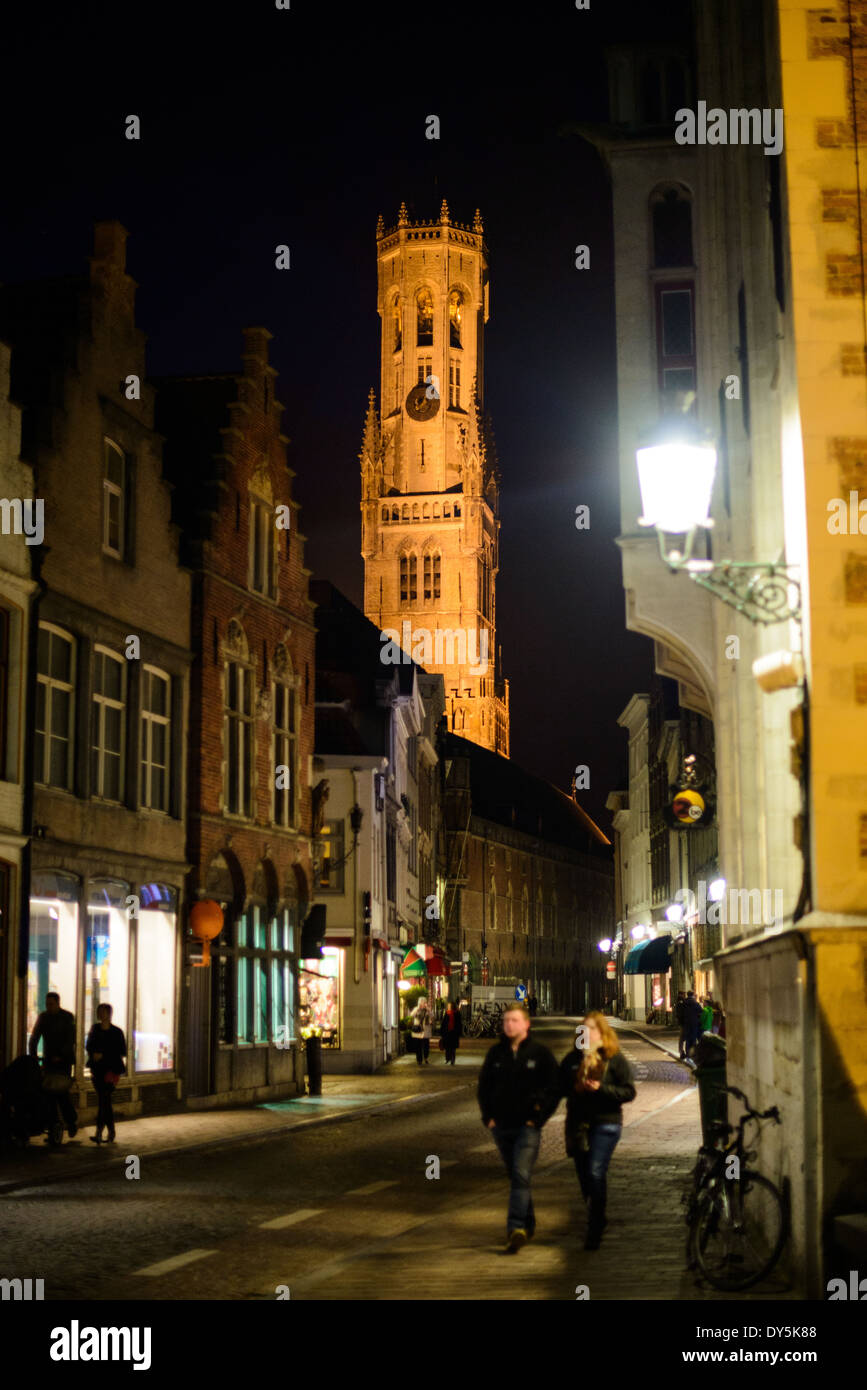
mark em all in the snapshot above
pixel 505 793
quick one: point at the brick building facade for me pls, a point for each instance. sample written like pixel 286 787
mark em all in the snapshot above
pixel 251 722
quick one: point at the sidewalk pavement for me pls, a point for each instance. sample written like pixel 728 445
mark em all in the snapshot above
pixel 400 1082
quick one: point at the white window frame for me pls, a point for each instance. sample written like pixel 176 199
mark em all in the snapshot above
pixel 148 720
pixel 284 750
pixel 233 722
pixel 110 490
pixel 258 506
pixel 104 702
pixel 52 683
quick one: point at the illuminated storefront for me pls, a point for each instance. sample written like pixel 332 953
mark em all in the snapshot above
pixel 320 993
pixel 127 959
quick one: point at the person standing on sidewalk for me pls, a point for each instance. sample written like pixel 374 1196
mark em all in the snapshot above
pixel 692 1022
pixel 517 1093
pixel 451 1028
pixel 56 1028
pixel 597 1082
pixel 421 1030
pixel 680 1019
pixel 106 1057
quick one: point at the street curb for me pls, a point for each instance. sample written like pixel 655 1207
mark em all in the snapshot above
pixel 661 1046
pixel 235 1139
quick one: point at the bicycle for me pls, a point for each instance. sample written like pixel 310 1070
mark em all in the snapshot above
pixel 737 1220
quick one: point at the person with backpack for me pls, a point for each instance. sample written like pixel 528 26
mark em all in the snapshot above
pixel 421 1030
pixel 106 1057
pixel 56 1028
pixel 597 1081
pixel 680 1019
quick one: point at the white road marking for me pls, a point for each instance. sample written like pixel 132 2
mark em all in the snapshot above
pixel 176 1262
pixel 371 1188
pixel 279 1223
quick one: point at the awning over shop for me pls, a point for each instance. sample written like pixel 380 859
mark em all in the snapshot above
pixel 421 960
pixel 648 957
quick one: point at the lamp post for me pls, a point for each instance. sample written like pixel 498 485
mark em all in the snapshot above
pixel 676 472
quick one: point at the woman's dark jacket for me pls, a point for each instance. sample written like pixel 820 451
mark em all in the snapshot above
pixel 596 1107
pixel 451 1036
pixel 112 1044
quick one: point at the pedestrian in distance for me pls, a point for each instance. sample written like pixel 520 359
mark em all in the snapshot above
pixel 597 1082
pixel 680 1018
pixel 451 1029
pixel 719 1024
pixel 56 1028
pixel 692 1012
pixel 707 1015
pixel 532 1005
pixel 106 1057
pixel 421 1030
pixel 517 1093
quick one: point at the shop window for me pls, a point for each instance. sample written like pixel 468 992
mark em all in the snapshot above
pixel 155 739
pixel 319 995
pixel 54 708
pixel 252 975
pixel 156 935
pixel 52 964
pixel 108 707
pixel 106 969
pixel 330 876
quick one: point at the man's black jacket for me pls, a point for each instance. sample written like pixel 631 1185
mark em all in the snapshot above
pixel 57 1032
pixel 515 1087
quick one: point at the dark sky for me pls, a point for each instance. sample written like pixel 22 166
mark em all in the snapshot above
pixel 261 127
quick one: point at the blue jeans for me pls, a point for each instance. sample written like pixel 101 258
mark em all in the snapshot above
pixel 519 1149
pixel 592 1168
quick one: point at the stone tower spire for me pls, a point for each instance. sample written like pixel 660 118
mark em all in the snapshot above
pixel 429 481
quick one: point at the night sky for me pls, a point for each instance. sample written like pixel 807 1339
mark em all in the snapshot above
pixel 262 127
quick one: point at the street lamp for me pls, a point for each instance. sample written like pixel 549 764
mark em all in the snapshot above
pixel 676 474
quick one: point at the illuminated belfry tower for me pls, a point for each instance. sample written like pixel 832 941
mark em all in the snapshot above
pixel 429 476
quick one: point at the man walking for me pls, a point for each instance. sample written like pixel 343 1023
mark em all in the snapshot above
pixel 56 1028
pixel 517 1093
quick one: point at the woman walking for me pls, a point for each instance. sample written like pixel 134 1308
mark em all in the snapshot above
pixel 106 1057
pixel 421 1030
pixel 450 1032
pixel 597 1082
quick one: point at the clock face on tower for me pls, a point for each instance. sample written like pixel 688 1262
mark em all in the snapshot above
pixel 421 406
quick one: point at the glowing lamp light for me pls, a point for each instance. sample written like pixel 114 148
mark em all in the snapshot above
pixel 716 890
pixel 404 984
pixel 676 482
pixel 639 932
pixel 605 944
pixel 206 923
pixel 674 913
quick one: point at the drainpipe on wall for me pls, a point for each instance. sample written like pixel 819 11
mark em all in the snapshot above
pixel 27 766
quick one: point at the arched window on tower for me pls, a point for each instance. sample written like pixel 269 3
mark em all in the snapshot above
pixel 456 314
pixel 424 318
pixel 397 340
pixel 408 578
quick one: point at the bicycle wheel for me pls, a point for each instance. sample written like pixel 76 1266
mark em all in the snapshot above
pixel 740 1232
